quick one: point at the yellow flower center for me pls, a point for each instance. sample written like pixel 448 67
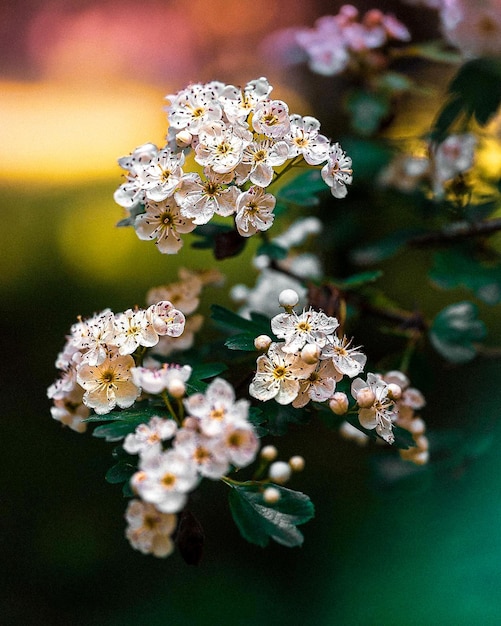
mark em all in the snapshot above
pixel 168 480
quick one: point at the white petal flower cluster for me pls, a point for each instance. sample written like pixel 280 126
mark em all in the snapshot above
pixel 242 139
pixel 97 363
pixel 308 363
pixel 339 40
pixel 215 435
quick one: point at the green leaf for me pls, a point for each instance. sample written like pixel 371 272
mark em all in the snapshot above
pixel 475 91
pixel 243 341
pixel 278 417
pixel 273 250
pixel 358 280
pixel 202 371
pixel 256 418
pixel 120 472
pixel 368 111
pixel 368 156
pixel 119 429
pixel 455 268
pixel 302 190
pixel 207 234
pixel 454 331
pixel 384 248
pixel 133 213
pixel 258 323
pixel 258 522
pixel 139 410
pixel 435 51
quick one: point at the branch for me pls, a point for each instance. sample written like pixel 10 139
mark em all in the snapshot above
pixel 456 231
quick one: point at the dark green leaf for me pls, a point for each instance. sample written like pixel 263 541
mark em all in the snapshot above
pixel 302 190
pixel 258 323
pixel 454 268
pixel 368 157
pixel 139 410
pixel 257 418
pixel 278 417
pixel 243 341
pixel 203 371
pixel 207 234
pixel 273 250
pixel 435 51
pixel 120 472
pixel 454 331
pixel 133 213
pixel 384 248
pixel 119 429
pixel 358 280
pixel 368 111
pixel 258 522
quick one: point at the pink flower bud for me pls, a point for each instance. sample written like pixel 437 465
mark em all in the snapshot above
pixel 365 398
pixel 338 404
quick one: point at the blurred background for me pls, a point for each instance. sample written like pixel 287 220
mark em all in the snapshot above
pixel 82 83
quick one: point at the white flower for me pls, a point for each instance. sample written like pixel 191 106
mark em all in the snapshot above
pixel 149 435
pixel 108 384
pixel 278 375
pixel 308 327
pixel 160 178
pixel 304 138
pixel 208 453
pixel 70 410
pixel 238 103
pixel 165 479
pixel 99 334
pixel 200 199
pixel 166 319
pixel 337 172
pixel 271 118
pixel 254 211
pixel 192 108
pixel 133 329
pixel 382 413
pixel 319 386
pixel 157 380
pixel 258 160
pixel 149 530
pixel 349 361
pixel 217 407
pixel 220 147
pixel 241 444
pixel 163 221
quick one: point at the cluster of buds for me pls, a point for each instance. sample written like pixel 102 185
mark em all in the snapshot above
pixel 242 141
pixel 97 360
pixel 344 41
pixel 279 472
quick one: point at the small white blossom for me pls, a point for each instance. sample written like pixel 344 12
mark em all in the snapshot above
pixel 271 118
pixel 312 327
pixel 254 211
pixel 156 380
pixel 349 361
pixel 160 178
pixel 164 222
pixel 149 435
pixel 133 329
pixel 148 530
pixel 382 413
pixel 337 172
pixel 304 138
pixel 220 147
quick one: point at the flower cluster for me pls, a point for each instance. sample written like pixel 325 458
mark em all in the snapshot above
pixel 209 434
pixel 306 365
pixel 243 141
pixel 97 360
pixel 445 162
pixel 339 42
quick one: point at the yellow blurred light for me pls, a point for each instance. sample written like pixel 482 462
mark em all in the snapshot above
pixel 57 133
pixel 488 158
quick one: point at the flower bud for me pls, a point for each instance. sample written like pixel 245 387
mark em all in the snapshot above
pixel 365 398
pixel 296 463
pixel 288 298
pixel 183 139
pixel 417 426
pixel 339 404
pixel 176 388
pixel 280 472
pixel 394 391
pixel 310 353
pixel 271 495
pixel 262 342
pixel 269 453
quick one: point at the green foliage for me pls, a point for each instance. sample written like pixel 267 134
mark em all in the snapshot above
pixel 124 422
pixel 457 268
pixel 258 522
pixel 368 156
pixel 120 472
pixel 201 372
pixel 302 190
pixel 474 92
pixel 133 213
pixel 454 331
pixel 273 250
pixel 368 111
pixel 385 248
pixel 258 324
pixel 358 280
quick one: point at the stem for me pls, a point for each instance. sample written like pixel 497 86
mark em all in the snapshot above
pixel 170 408
pixel 457 231
pixel 290 165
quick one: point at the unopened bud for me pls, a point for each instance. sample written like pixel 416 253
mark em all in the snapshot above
pixel 296 463
pixel 365 398
pixel 269 453
pixel 280 472
pixel 271 495
pixel 417 426
pixel 262 342
pixel 183 139
pixel 310 353
pixel 339 404
pixel 288 298
pixel 176 388
pixel 394 391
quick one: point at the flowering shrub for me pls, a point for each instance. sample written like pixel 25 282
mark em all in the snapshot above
pixel 235 164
